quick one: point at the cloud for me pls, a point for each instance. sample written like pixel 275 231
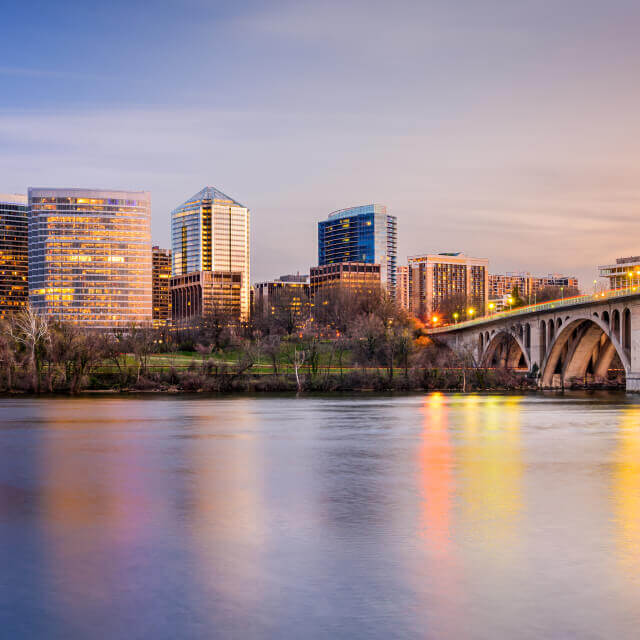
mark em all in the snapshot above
pixel 543 199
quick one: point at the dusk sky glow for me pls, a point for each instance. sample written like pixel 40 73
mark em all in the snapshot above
pixel 507 130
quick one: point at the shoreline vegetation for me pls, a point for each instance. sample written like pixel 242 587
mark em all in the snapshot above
pixel 345 341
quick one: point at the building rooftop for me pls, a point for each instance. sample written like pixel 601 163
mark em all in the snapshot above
pixel 453 255
pixel 13 198
pixel 359 210
pixel 74 191
pixel 212 193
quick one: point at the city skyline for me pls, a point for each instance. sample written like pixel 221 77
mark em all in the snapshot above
pixel 480 137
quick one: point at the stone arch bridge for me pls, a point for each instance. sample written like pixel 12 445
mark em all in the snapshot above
pixel 583 340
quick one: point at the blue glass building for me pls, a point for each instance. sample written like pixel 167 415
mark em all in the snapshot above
pixel 361 234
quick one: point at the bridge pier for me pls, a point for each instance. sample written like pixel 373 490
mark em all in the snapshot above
pixel 633 382
pixel 536 347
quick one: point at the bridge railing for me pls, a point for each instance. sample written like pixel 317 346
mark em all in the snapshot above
pixel 542 306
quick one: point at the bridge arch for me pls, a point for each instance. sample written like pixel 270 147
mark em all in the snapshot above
pixel 586 346
pixel 506 349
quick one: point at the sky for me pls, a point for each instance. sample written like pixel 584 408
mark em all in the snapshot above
pixel 505 129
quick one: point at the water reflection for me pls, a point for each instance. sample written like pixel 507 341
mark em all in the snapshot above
pixel 226 518
pixel 436 475
pixel 490 470
pixel 626 489
pixel 436 516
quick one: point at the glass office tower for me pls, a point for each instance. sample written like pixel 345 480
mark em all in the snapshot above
pixel 161 275
pixel 90 256
pixel 210 232
pixel 13 253
pixel 361 234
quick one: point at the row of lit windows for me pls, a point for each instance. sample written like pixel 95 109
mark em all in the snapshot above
pixel 71 200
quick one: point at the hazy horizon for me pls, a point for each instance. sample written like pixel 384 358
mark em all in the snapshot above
pixel 504 131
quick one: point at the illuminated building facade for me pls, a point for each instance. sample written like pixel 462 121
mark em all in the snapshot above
pixel 501 285
pixel 210 233
pixel 366 234
pixel 161 275
pixel 205 293
pixel 90 256
pixel 625 273
pixel 14 262
pixel 434 278
pixel 291 292
pixel 402 287
pixel 358 276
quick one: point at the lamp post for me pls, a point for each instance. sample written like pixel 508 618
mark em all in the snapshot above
pixel 510 301
pixel 470 312
pixel 456 315
pixel 492 306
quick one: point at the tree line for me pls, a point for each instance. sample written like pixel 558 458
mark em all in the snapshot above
pixel 344 340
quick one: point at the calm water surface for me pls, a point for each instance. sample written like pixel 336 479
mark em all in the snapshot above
pixel 436 516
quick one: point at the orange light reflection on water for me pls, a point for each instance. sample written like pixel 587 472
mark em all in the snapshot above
pixel 436 478
pixel 626 490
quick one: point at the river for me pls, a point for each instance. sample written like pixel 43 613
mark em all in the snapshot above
pixel 417 516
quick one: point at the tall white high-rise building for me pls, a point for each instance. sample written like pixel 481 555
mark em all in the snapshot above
pixel 210 233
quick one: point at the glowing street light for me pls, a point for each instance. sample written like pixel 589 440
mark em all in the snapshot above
pixel 456 315
pixel 492 306
pixel 435 319
pixel 471 311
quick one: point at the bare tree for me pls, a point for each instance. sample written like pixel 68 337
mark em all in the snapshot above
pixel 31 329
pixel 143 343
pixel 299 356
pixel 8 356
pixel 272 347
pixel 114 348
pixel 368 339
pixel 205 352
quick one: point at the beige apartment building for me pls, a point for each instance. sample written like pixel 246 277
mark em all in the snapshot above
pixel 402 287
pixel 501 285
pixel 433 278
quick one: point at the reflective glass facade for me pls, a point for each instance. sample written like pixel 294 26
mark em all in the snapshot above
pixel 205 293
pixel 292 292
pixel 361 234
pixel 161 276
pixel 359 276
pixel 90 256
pixel 210 232
pixel 13 253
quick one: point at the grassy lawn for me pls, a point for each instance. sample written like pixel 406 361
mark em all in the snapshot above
pixel 230 357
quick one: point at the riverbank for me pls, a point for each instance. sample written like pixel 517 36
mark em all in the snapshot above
pixel 352 381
